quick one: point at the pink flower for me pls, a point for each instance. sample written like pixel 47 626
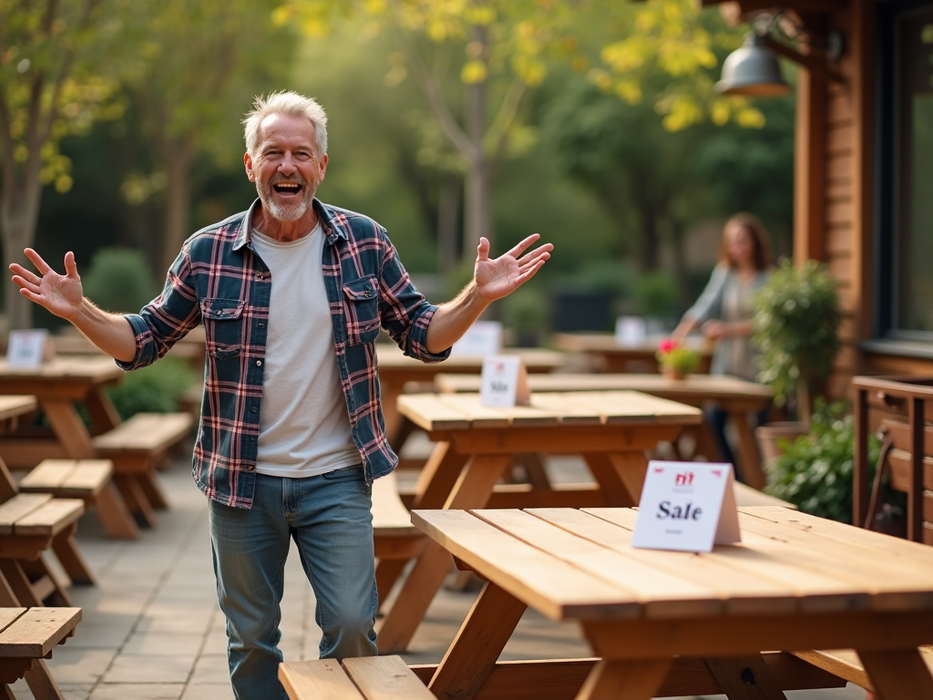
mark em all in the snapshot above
pixel 667 345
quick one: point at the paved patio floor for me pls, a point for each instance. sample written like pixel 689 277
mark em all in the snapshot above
pixel 151 629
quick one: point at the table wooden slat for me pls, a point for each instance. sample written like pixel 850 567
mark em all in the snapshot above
pixel 557 589
pixel 51 516
pixel 749 592
pixel 15 405
pixel 429 412
pixel 15 509
pixel 36 631
pixel 643 581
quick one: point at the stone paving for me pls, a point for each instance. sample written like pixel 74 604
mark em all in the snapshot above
pixel 151 629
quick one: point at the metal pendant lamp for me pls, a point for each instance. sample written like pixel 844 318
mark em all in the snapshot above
pixel 752 70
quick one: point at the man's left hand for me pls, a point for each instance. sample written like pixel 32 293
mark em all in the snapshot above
pixel 499 277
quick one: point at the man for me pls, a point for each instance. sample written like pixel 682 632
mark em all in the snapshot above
pixel 292 294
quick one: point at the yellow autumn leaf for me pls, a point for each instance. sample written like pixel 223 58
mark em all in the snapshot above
pixel 473 72
pixel 281 15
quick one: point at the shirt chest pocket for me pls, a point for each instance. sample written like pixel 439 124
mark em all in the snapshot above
pixel 223 327
pixel 361 300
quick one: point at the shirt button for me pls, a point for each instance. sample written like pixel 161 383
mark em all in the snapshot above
pixel 253 409
pixel 259 363
pixel 250 468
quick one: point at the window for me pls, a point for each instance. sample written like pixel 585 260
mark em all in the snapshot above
pixel 905 224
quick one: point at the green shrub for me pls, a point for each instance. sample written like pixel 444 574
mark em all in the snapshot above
pixel 527 309
pixel 153 389
pixel 815 471
pixel 656 295
pixel 119 280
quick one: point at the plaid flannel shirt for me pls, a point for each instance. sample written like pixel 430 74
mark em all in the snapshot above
pixel 219 280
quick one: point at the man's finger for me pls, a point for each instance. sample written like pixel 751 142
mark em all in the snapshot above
pixel 482 249
pixel 71 267
pixel 520 248
pixel 41 265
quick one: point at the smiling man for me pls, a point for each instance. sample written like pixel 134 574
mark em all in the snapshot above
pixel 292 294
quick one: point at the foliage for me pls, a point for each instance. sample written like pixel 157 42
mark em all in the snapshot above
pixel 156 388
pixel 815 470
pixel 119 280
pixel 526 310
pixel 796 327
pixel 678 357
pixel 656 294
pixel 60 64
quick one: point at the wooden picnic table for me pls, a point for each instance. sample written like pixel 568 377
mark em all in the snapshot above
pixel 396 370
pixel 60 386
pixel 741 399
pixel 27 636
pixel 475 444
pixel 677 623
pixel 611 356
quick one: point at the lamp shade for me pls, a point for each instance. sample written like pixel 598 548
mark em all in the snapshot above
pixel 752 70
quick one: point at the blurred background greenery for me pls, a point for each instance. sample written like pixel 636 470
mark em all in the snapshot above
pixel 592 122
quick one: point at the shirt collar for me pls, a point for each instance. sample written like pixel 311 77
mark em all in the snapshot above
pixel 332 227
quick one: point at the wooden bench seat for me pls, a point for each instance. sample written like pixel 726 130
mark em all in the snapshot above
pixel 137 447
pixel 91 480
pixel 30 525
pixel 846 664
pixel 27 636
pixel 367 678
pixel 396 541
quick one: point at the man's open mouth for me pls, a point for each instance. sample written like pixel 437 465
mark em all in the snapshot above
pixel 287 187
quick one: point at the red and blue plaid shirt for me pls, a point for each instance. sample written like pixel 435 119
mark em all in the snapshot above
pixel 219 280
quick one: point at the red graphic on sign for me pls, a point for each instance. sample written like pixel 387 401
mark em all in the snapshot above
pixel 684 479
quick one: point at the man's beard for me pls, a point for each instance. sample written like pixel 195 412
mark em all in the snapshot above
pixel 284 212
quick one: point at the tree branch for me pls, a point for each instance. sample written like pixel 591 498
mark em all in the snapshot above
pixel 432 94
pixel 499 130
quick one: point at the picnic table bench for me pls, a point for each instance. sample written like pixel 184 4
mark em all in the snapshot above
pixel 27 636
pixel 795 582
pixel 30 525
pixel 366 678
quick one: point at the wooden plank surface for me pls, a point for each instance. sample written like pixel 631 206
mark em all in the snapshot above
pixel 16 405
pixel 320 678
pixel 145 431
pixel 555 588
pixel 36 631
pixel 385 678
pixel 19 507
pixel 461 411
pixel 51 517
pixel 703 385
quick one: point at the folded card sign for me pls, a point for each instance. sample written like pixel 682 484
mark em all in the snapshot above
pixel 28 348
pixel 687 506
pixel 481 339
pixel 504 382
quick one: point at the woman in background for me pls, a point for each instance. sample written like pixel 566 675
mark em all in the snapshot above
pixel 723 312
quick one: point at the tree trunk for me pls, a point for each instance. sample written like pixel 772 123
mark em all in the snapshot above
pixel 19 213
pixel 478 192
pixel 177 203
pixel 448 223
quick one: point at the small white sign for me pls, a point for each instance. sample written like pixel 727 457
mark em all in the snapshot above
pixel 687 506
pixel 631 331
pixel 483 338
pixel 504 382
pixel 28 348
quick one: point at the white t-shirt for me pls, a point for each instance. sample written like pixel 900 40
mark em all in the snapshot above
pixel 304 428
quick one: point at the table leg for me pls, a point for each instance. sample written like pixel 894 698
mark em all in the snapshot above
pixel 69 429
pixel 72 561
pixel 632 680
pixel 620 475
pixel 482 637
pixel 745 677
pixel 438 476
pixel 472 490
pixel 41 683
pixel 897 674
pixel 104 414
pixel 749 457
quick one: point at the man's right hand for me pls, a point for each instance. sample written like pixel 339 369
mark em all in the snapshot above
pixel 60 294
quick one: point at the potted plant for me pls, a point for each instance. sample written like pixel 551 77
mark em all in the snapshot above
pixel 796 331
pixel 677 361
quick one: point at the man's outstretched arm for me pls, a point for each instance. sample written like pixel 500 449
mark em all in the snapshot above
pixel 63 296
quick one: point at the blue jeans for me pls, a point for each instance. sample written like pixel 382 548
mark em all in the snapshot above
pixel 329 517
